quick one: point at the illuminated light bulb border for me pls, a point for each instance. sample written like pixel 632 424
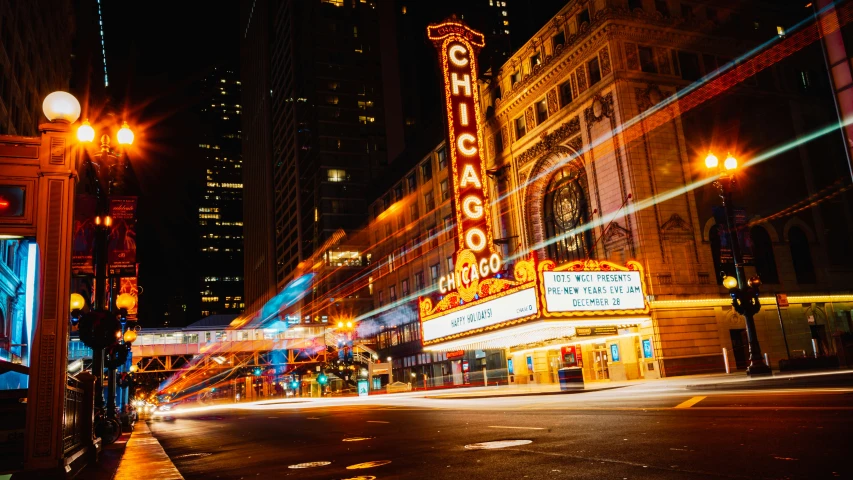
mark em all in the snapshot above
pixel 525 277
pixel 591 266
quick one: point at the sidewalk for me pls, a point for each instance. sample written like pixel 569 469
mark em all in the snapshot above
pixel 133 457
pixel 722 381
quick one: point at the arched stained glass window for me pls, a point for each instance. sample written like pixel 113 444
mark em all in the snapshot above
pixel 566 214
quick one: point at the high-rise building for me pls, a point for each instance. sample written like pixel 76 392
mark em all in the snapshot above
pixel 35 60
pixel 314 135
pixel 220 212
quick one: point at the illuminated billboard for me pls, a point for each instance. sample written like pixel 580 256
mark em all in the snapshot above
pixel 592 287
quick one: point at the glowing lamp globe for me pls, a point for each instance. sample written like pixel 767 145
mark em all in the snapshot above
pixel 77 301
pixel 754 282
pixel 129 336
pixel 126 301
pixel 711 161
pixel 125 135
pixel 730 163
pixel 134 369
pixel 730 282
pixel 340 324
pixel 349 324
pixel 61 107
pixel 85 132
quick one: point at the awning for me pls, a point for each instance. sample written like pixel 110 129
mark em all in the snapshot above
pixel 529 333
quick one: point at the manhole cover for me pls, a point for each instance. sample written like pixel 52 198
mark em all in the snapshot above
pixel 309 465
pixel 193 455
pixel 356 439
pixel 375 463
pixel 497 444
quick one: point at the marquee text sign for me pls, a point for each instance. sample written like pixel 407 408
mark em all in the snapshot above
pixel 481 315
pixel 592 288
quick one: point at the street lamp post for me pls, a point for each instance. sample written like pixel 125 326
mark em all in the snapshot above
pixel 744 292
pixel 106 158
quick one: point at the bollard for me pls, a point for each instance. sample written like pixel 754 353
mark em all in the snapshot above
pixel 485 377
pixel 726 359
pixel 814 347
pixel 766 360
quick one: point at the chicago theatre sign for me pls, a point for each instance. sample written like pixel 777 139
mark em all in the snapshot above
pixel 476 297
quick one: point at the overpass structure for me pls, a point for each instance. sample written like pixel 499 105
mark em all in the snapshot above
pixel 211 343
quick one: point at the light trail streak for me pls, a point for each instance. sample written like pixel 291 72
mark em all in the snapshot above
pixel 707 88
pixel 712 85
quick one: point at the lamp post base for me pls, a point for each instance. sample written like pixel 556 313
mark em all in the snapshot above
pixel 758 369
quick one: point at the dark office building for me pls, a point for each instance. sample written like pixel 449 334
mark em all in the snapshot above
pixel 220 212
pixel 314 135
pixel 35 60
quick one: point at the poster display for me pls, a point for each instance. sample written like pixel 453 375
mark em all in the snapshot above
pixel 83 240
pixel 121 239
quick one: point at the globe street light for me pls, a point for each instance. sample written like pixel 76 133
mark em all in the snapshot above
pixel 61 107
pixel 744 292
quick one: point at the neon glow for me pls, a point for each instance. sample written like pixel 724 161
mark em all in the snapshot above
pixel 30 296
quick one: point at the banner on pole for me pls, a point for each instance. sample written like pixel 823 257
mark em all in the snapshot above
pixel 83 243
pixel 121 243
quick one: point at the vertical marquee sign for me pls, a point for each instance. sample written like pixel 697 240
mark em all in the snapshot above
pixel 474 297
pixel 457 46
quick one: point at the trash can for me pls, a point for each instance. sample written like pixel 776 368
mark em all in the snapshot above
pixel 571 378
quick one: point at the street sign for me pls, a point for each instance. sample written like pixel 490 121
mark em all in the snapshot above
pixel 782 299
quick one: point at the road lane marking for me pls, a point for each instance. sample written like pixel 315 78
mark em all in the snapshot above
pixel 356 439
pixel 690 403
pixel 371 464
pixel 517 428
pixel 377 421
pixel 309 465
pixel 497 444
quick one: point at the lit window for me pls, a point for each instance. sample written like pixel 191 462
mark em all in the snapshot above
pixel 520 127
pixel 541 111
pixel 516 77
pixel 337 175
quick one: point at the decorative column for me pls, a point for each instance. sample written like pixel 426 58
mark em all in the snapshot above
pixel 49 354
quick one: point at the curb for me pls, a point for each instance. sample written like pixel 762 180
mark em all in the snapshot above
pixel 841 379
pixel 531 394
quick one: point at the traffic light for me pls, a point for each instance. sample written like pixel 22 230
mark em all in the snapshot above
pixel 322 379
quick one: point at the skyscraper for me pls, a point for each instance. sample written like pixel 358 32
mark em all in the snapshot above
pixel 315 133
pixel 35 54
pixel 220 213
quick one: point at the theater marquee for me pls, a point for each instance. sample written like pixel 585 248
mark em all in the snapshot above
pixel 478 296
pixel 592 287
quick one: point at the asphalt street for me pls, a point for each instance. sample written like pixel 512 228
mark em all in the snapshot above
pixel 630 432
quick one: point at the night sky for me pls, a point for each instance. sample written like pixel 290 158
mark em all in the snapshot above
pixel 157 51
